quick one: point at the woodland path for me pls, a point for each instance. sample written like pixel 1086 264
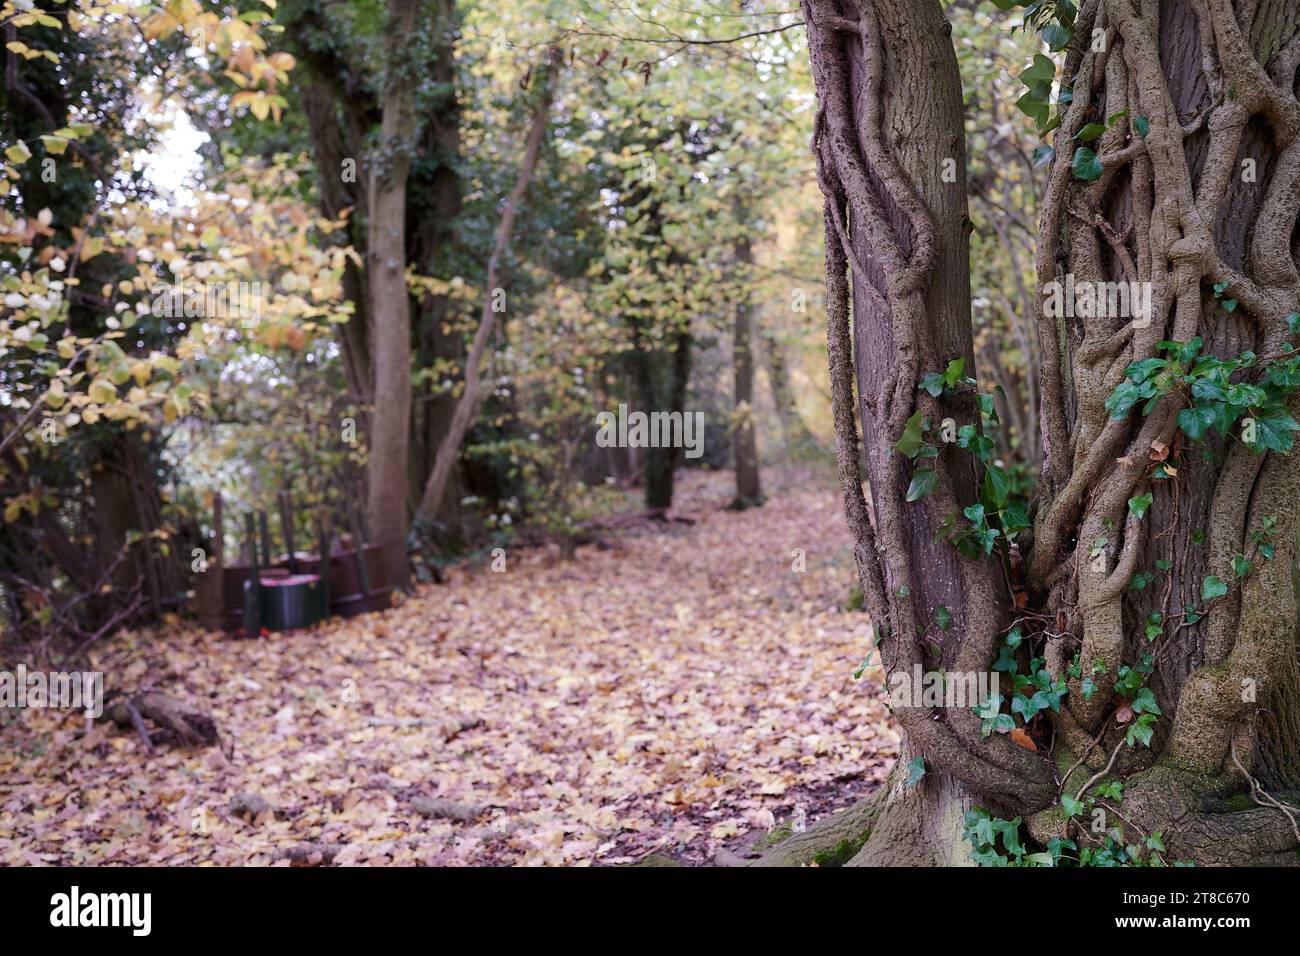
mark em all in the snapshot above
pixel 679 693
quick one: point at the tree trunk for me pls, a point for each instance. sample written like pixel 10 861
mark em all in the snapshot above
pixel 744 437
pixel 661 463
pixel 1175 208
pixel 794 431
pixel 389 301
pixel 433 227
pixel 449 449
pixel 1168 208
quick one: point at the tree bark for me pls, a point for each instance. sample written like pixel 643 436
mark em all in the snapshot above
pixel 435 251
pixel 744 437
pixel 388 299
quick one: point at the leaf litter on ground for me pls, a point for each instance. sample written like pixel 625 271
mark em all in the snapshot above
pixel 682 693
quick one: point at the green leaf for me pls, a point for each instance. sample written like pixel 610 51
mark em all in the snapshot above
pixel 1145 702
pixel 1140 580
pixel 913 436
pixel 1212 588
pixel 923 482
pixel 1111 790
pixel 942 617
pixel 1045 154
pixel 1042 70
pixel 1055 36
pixel 952 374
pixel 1139 505
pixel 996 487
pixel 1141 731
pixel 1142 125
pixel 1090 132
pixel 1086 165
pixel 1034 105
pixel 915 771
pixel 1014 519
pixel 1195 421
pixel 1274 433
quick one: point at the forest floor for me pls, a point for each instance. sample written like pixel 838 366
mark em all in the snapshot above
pixel 678 690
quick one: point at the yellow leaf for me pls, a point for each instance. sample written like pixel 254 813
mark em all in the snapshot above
pixel 18 153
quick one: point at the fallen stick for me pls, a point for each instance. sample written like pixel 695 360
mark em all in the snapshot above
pixel 177 720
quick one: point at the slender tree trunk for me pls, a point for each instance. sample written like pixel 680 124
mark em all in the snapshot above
pixel 1197 87
pixel 744 437
pixel 794 431
pixel 389 301
pixel 449 450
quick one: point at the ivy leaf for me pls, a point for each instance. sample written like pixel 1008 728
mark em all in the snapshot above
pixel 1043 155
pixel 1145 702
pixel 1055 36
pixel 1111 790
pixel 913 436
pixel 1195 421
pixel 952 374
pixel 997 487
pixel 1090 132
pixel 1212 588
pixel 1274 433
pixel 1142 125
pixel 915 771
pixel 1139 505
pixel 1014 519
pixel 1140 580
pixel 1010 830
pixel 1140 731
pixel 1086 165
pixel 1240 566
pixel 1042 70
pixel 1071 806
pixel 923 482
pixel 942 617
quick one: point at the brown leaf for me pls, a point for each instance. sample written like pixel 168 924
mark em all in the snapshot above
pixel 1022 738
